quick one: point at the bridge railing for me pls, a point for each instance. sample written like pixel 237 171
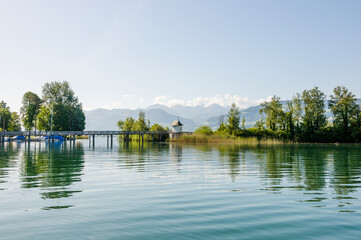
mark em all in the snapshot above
pixel 78 133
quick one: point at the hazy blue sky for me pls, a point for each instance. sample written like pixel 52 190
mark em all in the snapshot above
pixel 131 54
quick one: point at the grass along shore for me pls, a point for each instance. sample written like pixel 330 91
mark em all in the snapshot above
pixel 221 138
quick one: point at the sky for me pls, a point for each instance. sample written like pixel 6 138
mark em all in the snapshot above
pixel 131 54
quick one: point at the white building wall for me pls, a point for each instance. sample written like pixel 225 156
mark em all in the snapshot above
pixel 177 129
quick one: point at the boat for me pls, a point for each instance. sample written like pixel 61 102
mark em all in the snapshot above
pixel 18 138
pixel 55 137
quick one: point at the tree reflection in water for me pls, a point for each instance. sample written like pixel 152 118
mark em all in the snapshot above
pixel 314 170
pixel 52 168
pixel 8 151
pixel 141 155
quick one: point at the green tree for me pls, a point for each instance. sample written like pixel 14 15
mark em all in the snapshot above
pixel 158 128
pixel 274 113
pixel 345 110
pixel 5 116
pixel 234 118
pixel 259 124
pixel 141 124
pixel 43 118
pixel 222 127
pixel 243 123
pixel 292 116
pixel 14 124
pixel 314 118
pixel 30 109
pixel 204 130
pixel 126 125
pixel 66 113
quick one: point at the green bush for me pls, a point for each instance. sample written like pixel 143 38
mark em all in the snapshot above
pixel 204 130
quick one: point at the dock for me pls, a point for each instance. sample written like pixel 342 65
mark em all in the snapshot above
pixel 71 135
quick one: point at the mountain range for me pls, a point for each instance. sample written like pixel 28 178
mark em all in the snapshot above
pixel 191 116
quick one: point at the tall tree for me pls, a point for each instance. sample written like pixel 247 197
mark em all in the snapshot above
pixel 5 116
pixel 14 124
pixel 30 109
pixel 314 118
pixel 126 125
pixel 234 118
pixel 43 118
pixel 141 124
pixel 274 113
pixel 292 116
pixel 66 113
pixel 345 110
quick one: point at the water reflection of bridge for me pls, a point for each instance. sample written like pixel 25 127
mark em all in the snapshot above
pixel 70 135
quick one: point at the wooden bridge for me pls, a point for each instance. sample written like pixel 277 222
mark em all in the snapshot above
pixel 71 135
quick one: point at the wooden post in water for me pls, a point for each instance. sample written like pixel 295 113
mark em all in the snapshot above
pixel 107 140
pixel 93 140
pixel 111 140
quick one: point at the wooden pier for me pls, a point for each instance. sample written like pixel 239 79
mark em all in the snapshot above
pixel 70 135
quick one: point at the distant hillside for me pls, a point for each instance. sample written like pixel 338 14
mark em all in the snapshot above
pixel 196 113
pixel 102 119
pixel 191 117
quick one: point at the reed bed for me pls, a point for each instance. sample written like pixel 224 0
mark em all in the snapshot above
pixel 217 138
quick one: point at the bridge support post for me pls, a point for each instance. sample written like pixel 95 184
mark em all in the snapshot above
pixel 93 140
pixel 111 140
pixel 107 140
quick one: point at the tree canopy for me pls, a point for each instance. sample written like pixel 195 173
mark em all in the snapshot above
pixel 5 115
pixel 66 113
pixel 345 110
pixel 30 109
pixel 314 118
pixel 234 119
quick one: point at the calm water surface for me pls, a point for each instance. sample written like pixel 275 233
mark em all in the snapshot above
pixel 170 191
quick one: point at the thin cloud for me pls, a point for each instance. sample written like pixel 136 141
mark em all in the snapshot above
pixel 128 95
pixel 225 101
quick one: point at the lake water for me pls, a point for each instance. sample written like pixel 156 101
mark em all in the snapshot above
pixel 170 191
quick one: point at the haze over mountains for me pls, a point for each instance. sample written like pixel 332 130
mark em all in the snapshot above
pixel 191 116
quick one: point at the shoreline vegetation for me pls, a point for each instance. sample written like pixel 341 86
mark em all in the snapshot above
pixel 58 109
pixel 300 120
pixel 225 139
